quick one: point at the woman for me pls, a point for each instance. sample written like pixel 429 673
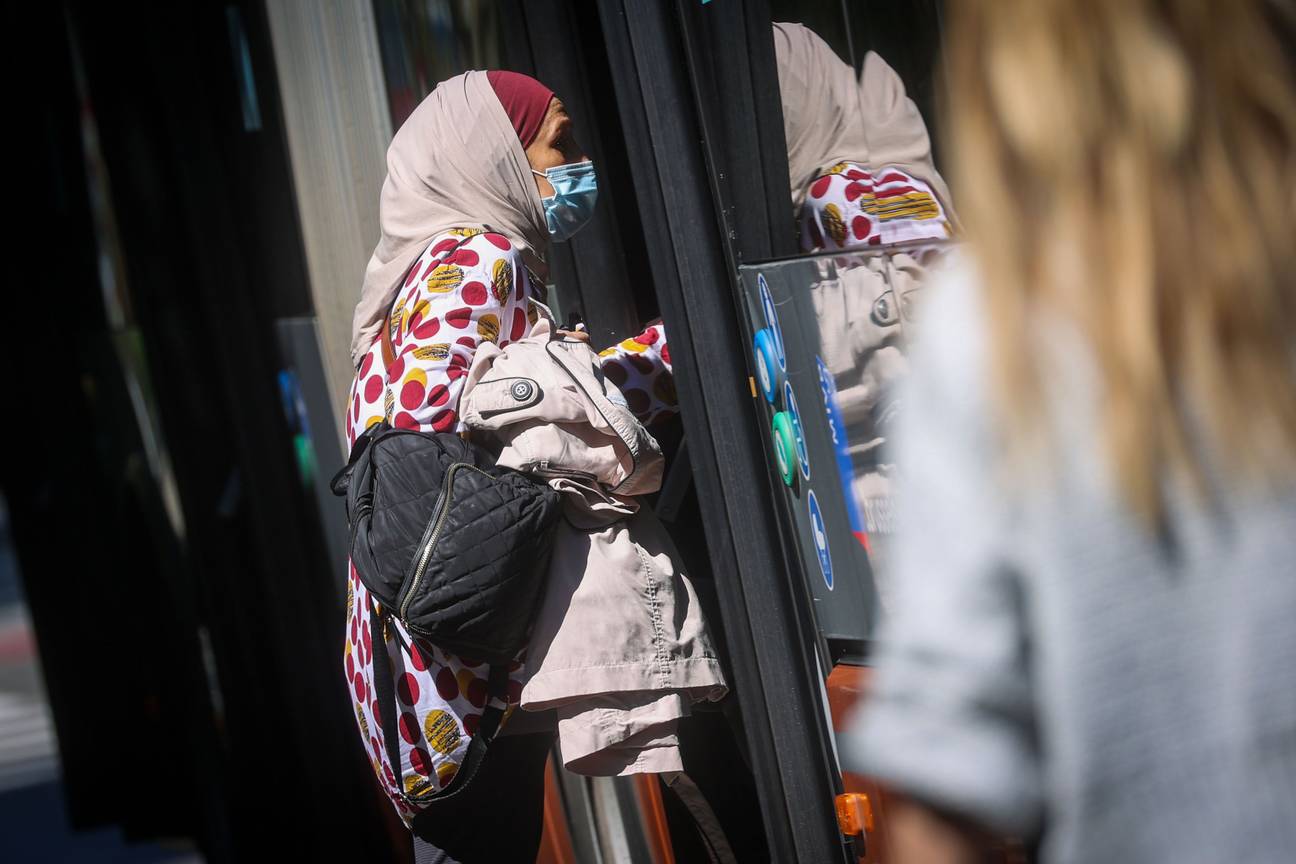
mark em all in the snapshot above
pixel 479 179
pixel 1093 636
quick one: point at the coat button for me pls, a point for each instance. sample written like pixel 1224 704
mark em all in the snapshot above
pixel 522 390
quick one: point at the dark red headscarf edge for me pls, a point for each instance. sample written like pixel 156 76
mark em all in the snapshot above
pixel 525 101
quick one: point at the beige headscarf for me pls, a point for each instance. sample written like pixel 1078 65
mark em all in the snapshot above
pixel 455 163
pixel 822 118
pixel 829 117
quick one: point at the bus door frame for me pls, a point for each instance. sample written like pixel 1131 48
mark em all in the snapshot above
pixel 712 191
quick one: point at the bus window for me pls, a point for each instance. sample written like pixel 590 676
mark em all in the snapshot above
pixel 874 219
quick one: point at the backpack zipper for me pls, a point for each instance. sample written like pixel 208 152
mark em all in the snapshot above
pixel 440 511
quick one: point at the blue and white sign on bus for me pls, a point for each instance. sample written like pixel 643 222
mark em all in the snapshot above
pixel 837 429
pixel 771 321
pixel 798 435
pixel 766 365
pixel 820 535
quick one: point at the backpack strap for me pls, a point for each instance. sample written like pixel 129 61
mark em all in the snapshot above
pixel 384 691
pixel 704 818
pixel 487 729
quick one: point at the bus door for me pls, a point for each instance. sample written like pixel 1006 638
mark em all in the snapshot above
pixel 788 346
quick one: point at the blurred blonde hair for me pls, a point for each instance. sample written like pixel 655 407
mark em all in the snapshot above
pixel 1131 166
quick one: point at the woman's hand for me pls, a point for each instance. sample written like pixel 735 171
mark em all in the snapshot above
pixel 577 335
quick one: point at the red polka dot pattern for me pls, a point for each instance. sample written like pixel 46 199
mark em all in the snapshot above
pixel 477 692
pixel 426 330
pixel 640 368
pixel 417 660
pixel 638 400
pixel 890 207
pixel 459 318
pixel 464 257
pixel 421 390
pixel 438 249
pixel 444 421
pixel 409 728
pixel 446 684
pixel 412 395
pixel 641 364
pixel 407 689
pixel 420 761
pixel 615 372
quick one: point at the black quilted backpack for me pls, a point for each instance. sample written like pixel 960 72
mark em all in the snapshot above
pixel 455 547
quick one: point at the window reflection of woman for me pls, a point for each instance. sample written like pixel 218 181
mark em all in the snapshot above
pixel 859 158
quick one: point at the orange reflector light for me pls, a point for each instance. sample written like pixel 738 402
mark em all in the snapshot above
pixel 854 813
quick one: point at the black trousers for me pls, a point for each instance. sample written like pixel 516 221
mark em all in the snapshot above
pixel 499 818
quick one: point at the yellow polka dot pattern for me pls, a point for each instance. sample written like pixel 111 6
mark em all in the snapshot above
pixel 444 279
pixel 502 281
pixel 446 772
pixel 488 328
pixel 439 351
pixel 442 731
pixel 833 221
pixel 397 321
pixel 417 786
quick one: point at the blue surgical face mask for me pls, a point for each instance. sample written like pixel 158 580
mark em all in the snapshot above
pixel 572 204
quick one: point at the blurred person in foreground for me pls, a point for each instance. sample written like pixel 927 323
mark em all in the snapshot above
pixel 1095 634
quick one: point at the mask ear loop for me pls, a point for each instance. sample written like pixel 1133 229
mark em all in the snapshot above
pixel 545 173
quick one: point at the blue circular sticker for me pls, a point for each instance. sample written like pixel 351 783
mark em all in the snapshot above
pixel 798 437
pixel 771 320
pixel 766 374
pixel 820 540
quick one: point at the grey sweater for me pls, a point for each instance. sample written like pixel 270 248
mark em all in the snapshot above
pixel 1049 665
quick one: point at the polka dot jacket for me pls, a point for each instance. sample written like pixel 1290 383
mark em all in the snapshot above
pixel 849 206
pixel 468 287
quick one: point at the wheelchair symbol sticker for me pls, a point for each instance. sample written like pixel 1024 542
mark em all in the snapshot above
pixel 820 540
